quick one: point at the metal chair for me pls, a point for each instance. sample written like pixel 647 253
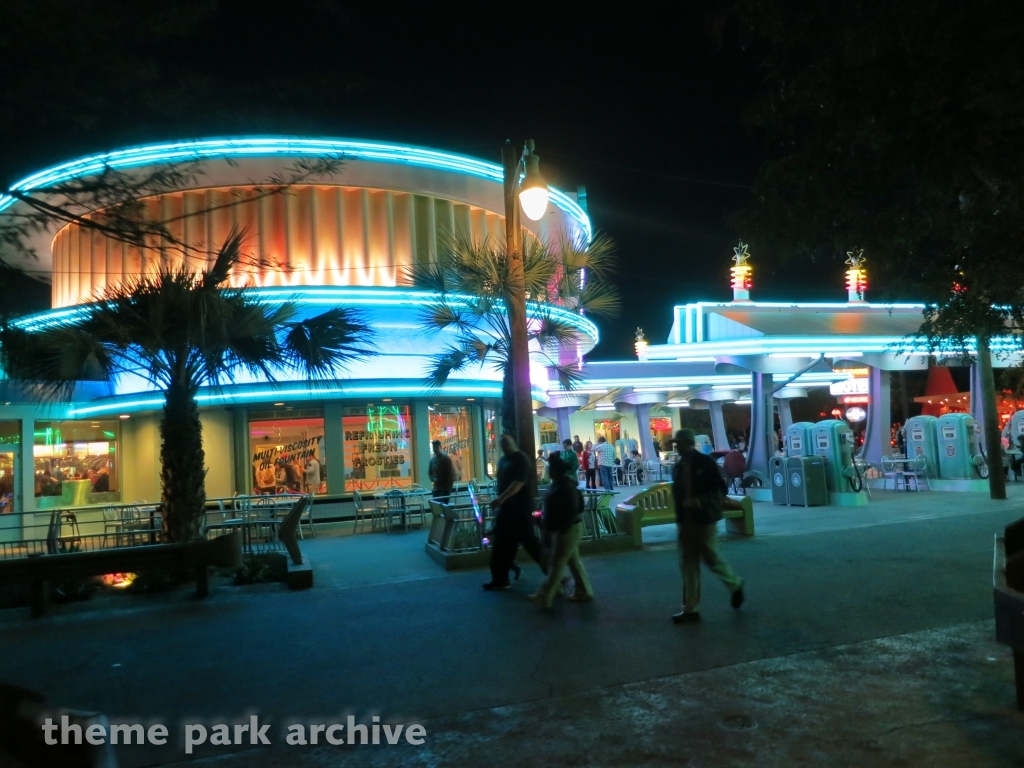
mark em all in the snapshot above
pixel 890 469
pixel 361 513
pixel 629 475
pixel 917 469
pixel 112 523
pixel 395 505
pixel 307 517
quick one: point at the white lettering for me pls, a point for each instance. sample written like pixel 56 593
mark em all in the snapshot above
pixel 257 735
pixel 296 735
pixel 313 731
pixel 415 734
pixel 96 734
pixel 352 728
pixel 157 734
pixel 48 728
pixel 336 740
pixel 392 736
pixel 190 740
pixel 127 731
pixel 221 735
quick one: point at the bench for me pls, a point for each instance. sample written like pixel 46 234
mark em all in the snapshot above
pixel 1008 596
pixel 655 506
pixel 37 570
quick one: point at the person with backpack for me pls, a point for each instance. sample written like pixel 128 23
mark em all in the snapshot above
pixel 699 493
pixel 563 519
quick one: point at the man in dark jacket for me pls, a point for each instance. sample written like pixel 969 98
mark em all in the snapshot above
pixel 699 493
pixel 441 473
pixel 513 520
pixel 563 519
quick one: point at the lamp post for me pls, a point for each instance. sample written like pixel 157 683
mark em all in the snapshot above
pixel 523 185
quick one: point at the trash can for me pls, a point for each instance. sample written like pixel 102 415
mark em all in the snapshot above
pixel 805 481
pixel 777 473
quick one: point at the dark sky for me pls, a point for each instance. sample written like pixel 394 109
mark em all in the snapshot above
pixel 643 108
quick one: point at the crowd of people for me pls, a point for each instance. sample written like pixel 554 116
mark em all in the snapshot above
pixel 699 492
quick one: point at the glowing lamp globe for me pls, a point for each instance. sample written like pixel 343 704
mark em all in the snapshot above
pixel 534 191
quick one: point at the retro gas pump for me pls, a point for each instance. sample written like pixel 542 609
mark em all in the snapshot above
pixel 798 439
pixel 833 440
pixel 919 432
pixel 704 444
pixel 1016 428
pixel 960 456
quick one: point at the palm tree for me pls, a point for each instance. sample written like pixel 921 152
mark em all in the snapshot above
pixel 472 280
pixel 182 329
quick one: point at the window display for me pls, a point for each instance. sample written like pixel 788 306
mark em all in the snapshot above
pixel 378 447
pixel 287 453
pixel 492 428
pixel 10 439
pixel 76 463
pixel 451 425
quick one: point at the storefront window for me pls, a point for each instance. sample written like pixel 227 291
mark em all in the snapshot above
pixel 548 432
pixel 287 452
pixel 609 428
pixel 10 439
pixel 76 463
pixel 492 451
pixel 378 447
pixel 451 425
pixel 661 432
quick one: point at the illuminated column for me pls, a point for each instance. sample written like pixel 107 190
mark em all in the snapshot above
pixel 856 276
pixel 878 430
pixel 762 419
pixel 713 400
pixel 976 411
pixel 562 418
pixel 742 274
pixel 783 399
pixel 643 425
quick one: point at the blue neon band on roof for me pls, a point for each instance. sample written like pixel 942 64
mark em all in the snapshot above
pixel 183 151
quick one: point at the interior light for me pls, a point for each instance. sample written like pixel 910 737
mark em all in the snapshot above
pixel 278 405
pixel 124 416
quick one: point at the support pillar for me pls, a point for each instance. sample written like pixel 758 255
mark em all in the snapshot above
pixel 718 433
pixel 334 447
pixel 762 419
pixel 785 414
pixel 562 419
pixel 977 409
pixel 643 425
pixel 421 442
pixel 878 431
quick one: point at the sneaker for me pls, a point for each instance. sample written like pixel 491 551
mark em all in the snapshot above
pixel 685 617
pixel 737 598
pixel 490 586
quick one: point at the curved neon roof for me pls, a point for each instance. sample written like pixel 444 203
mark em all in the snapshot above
pixel 186 151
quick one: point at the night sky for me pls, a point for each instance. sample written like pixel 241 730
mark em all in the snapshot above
pixel 645 110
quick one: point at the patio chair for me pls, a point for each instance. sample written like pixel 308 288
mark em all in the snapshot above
pixel 630 476
pixel 112 524
pixel 307 517
pixel 395 505
pixel 890 469
pixel 917 470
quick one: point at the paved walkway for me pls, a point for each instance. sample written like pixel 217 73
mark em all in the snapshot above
pixel 385 631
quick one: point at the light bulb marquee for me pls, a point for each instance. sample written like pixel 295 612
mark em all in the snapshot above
pixel 856 275
pixel 640 345
pixel 742 273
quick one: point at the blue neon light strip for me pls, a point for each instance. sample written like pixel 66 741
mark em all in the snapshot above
pixel 186 151
pixel 332 295
pixel 125 405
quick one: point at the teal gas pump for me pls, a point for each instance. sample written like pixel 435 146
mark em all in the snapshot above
pixel 920 432
pixel 704 444
pixel 1016 428
pixel 798 439
pixel 833 440
pixel 960 456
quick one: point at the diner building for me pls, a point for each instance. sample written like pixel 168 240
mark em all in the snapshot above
pixel 347 241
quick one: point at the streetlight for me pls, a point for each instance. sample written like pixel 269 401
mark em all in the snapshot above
pixel 523 185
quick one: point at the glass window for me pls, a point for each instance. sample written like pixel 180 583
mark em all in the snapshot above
pixel 610 428
pixel 76 462
pixel 493 452
pixel 10 439
pixel 287 452
pixel 451 425
pixel 661 432
pixel 548 432
pixel 378 446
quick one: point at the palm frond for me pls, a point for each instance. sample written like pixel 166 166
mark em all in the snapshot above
pixel 599 298
pixel 444 364
pixel 331 341
pixel 55 358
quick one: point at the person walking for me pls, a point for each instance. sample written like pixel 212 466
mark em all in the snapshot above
pixel 605 454
pixel 699 493
pixel 563 521
pixel 589 468
pixel 442 473
pixel 568 455
pixel 513 522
